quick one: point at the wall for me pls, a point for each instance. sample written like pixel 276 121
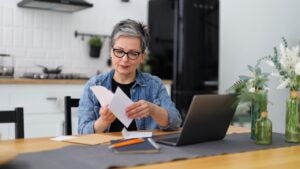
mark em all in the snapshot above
pixel 249 29
pixel 47 38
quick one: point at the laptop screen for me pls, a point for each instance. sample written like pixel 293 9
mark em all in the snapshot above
pixel 208 119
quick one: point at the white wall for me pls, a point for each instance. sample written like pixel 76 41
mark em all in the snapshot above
pixel 47 38
pixel 249 29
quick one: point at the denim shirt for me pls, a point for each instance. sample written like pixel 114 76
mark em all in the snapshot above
pixel 146 87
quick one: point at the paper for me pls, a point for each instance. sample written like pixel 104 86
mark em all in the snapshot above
pixel 103 95
pixel 93 139
pixel 135 134
pixel 118 106
pixel 62 138
pixel 117 102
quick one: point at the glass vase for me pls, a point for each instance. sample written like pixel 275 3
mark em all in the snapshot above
pixel 254 116
pixel 263 130
pixel 292 121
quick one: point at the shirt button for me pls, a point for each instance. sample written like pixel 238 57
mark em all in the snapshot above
pixel 133 91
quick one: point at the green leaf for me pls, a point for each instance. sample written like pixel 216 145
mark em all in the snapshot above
pixel 284 42
pixel 258 71
pixel 238 86
pixel 244 78
pixel 250 68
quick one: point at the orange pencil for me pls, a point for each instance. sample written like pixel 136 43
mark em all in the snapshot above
pixel 127 142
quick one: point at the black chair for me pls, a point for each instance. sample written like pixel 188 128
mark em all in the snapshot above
pixel 14 116
pixel 69 103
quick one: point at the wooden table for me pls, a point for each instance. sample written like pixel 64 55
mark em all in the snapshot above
pixel 283 158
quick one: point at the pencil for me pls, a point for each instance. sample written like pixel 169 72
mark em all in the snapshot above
pixel 127 142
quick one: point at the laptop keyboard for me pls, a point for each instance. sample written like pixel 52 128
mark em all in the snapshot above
pixel 171 139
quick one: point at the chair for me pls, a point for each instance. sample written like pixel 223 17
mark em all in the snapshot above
pixel 14 116
pixel 69 103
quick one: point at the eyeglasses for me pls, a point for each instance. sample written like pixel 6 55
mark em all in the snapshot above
pixel 131 54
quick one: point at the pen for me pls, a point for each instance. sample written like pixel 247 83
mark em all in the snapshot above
pixel 127 142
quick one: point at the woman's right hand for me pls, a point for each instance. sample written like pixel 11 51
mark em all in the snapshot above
pixel 105 119
pixel 106 116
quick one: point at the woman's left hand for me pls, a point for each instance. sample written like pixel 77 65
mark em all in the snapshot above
pixel 139 109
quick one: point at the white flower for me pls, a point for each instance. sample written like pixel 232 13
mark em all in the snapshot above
pixel 252 89
pixel 287 64
pixel 270 63
pixel 289 57
pixel 297 68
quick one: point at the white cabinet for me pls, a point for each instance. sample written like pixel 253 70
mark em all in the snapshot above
pixel 43 107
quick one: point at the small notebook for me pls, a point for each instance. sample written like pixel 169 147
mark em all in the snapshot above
pixel 148 146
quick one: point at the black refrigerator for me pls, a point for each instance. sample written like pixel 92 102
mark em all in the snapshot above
pixel 186 32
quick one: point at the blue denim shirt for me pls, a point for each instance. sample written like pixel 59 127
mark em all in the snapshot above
pixel 146 87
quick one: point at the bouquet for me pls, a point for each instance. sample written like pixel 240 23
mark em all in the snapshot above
pixel 253 88
pixel 287 66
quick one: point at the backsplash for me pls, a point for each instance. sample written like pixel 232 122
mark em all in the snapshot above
pixel 47 38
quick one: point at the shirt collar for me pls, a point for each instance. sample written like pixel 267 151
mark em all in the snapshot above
pixel 140 79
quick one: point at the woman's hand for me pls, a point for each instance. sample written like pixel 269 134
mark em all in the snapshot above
pixel 106 116
pixel 143 109
pixel 140 109
pixel 105 119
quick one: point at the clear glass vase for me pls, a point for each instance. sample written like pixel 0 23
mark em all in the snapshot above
pixel 292 121
pixel 254 116
pixel 263 130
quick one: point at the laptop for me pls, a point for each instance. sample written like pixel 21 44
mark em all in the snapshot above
pixel 207 119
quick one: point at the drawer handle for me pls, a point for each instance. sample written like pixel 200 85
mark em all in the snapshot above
pixel 51 98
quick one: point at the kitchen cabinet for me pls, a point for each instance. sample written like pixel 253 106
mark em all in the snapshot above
pixel 43 107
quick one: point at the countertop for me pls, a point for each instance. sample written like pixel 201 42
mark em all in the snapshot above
pixel 40 81
pixel 50 81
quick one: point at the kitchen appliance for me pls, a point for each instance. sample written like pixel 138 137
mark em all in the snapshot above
pixel 6 66
pixel 47 70
pixel 56 5
pixel 53 73
pixel 58 76
pixel 187 31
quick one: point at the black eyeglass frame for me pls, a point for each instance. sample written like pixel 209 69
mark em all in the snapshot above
pixel 126 53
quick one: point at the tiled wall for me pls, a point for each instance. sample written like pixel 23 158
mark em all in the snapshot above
pixel 47 38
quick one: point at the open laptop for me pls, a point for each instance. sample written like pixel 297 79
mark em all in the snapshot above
pixel 207 119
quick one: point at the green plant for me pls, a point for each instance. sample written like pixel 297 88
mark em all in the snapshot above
pixel 252 88
pixel 95 41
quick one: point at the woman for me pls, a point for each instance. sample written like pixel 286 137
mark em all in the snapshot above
pixel 152 107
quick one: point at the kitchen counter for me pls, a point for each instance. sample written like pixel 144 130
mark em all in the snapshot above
pixel 40 81
pixel 50 81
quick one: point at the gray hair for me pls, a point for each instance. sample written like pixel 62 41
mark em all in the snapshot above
pixel 131 28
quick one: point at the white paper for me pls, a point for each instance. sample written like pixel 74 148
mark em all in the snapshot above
pixel 135 134
pixel 62 138
pixel 117 102
pixel 103 94
pixel 118 106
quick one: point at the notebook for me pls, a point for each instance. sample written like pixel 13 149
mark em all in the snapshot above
pixel 207 119
pixel 148 146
